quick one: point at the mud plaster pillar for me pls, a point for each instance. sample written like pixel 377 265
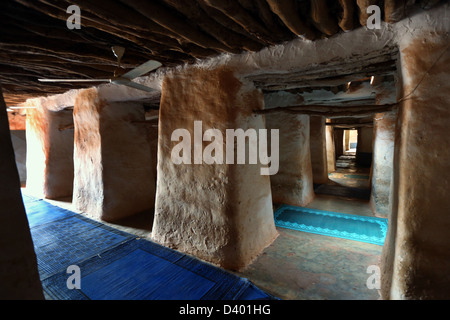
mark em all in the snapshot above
pixel 331 158
pixel 318 150
pixel 364 149
pixel 19 278
pixel 152 138
pixel 338 142
pixel 221 213
pixel 346 140
pixel 49 152
pixel 383 162
pixel 113 164
pixel 416 256
pixel 293 184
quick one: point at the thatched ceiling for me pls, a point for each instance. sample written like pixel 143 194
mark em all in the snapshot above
pixel 35 41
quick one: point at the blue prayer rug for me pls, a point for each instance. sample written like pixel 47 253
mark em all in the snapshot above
pixel 347 226
pixel 142 270
pixel 115 265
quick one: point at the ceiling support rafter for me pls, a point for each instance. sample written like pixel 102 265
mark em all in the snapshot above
pixel 287 11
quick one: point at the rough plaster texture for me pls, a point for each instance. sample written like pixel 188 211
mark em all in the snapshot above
pixel 221 213
pixel 416 259
pixel 383 164
pixel 49 153
pixel 318 149
pixel 113 164
pixel 329 140
pixel 293 184
pixel 346 140
pixel 152 138
pixel 19 276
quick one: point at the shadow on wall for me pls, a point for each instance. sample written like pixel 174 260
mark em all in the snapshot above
pixel 19 142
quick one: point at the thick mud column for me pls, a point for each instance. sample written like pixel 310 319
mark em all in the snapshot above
pixel 416 258
pixel 346 140
pixel 364 150
pixel 114 177
pixel 331 155
pixel 318 149
pixel 338 142
pixel 383 162
pixel 293 184
pixel 19 276
pixel 216 211
pixel 50 144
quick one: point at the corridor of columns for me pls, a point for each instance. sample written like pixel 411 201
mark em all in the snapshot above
pixel 266 150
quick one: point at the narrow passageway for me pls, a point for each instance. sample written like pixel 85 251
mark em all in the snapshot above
pixel 349 180
pixel 350 177
pixel 306 266
pixel 302 265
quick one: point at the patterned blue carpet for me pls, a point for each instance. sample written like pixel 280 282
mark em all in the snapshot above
pixel 347 226
pixel 116 265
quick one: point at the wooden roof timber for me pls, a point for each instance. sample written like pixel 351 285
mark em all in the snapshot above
pixel 173 32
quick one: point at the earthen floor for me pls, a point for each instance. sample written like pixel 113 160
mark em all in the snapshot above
pixel 299 265
pixel 304 266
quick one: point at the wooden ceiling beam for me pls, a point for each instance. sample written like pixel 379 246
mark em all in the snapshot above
pixel 374 61
pixel 17 58
pixel 330 111
pixel 90 21
pixel 89 50
pixel 346 20
pixel 171 20
pixel 322 77
pixel 53 67
pixel 235 41
pixel 139 25
pixel 238 14
pixel 153 44
pixel 351 126
pixel 322 18
pixel 261 9
pixel 21 38
pixel 287 11
pixel 229 24
pixel 35 39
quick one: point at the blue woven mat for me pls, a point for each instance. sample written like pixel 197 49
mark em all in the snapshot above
pixel 142 270
pixel 40 212
pixel 347 226
pixel 115 265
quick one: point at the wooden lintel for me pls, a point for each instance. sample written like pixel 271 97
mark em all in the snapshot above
pixel 349 124
pixel 330 111
pixel 67 127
